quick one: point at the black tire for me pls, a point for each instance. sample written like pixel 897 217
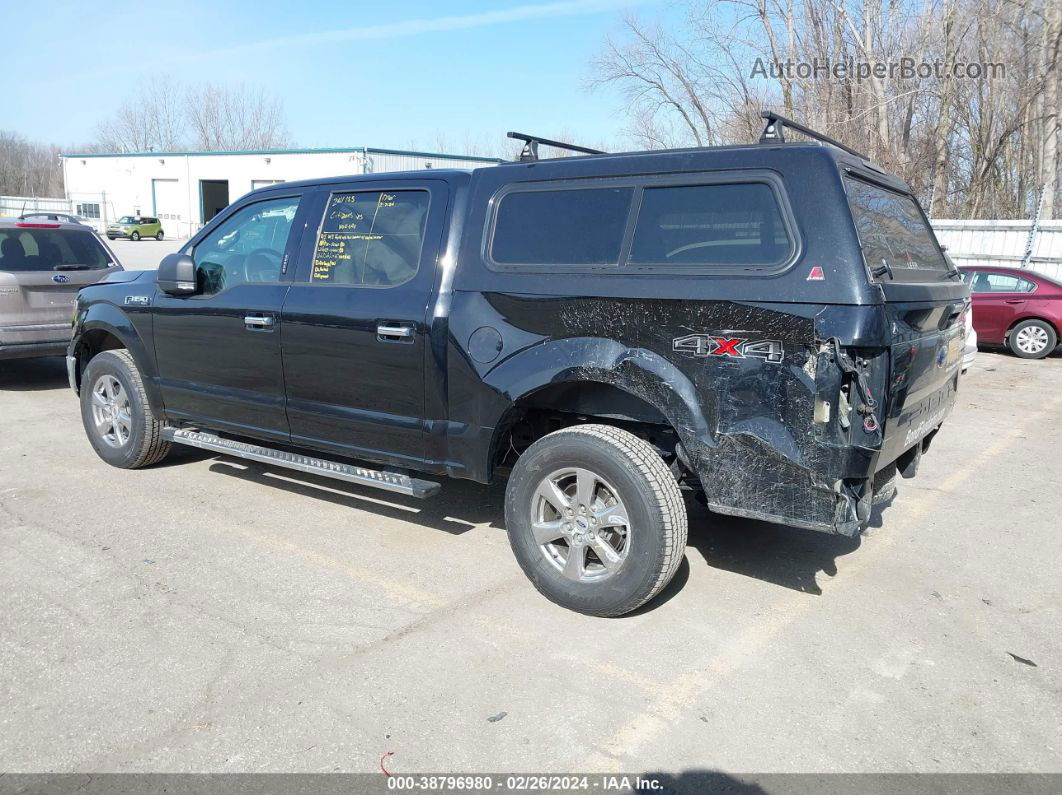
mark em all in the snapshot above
pixel 134 236
pixel 110 237
pixel 144 444
pixel 1039 330
pixel 159 236
pixel 655 536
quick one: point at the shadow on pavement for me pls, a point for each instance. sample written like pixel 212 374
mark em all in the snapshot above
pixel 461 505
pixel 775 554
pixel 694 782
pixel 33 375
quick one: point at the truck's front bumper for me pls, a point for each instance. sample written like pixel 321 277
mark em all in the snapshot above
pixel 71 372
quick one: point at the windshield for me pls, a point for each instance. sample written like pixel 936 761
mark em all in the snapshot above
pixel 127 219
pixel 50 250
pixel 894 232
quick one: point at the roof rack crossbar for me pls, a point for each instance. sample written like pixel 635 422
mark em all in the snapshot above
pixel 776 124
pixel 531 142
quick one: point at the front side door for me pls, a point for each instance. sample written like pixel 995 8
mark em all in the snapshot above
pixel 355 333
pixel 997 298
pixel 218 351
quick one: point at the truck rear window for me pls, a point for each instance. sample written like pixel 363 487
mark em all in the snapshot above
pixel 710 227
pixel 724 224
pixel 24 249
pixel 579 226
pixel 893 231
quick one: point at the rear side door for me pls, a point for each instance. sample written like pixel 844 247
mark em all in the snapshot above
pixel 998 300
pixel 219 350
pixel 42 266
pixel 355 322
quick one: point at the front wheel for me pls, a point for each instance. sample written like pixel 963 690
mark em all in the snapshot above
pixel 115 412
pixel 1032 339
pixel 134 236
pixel 595 519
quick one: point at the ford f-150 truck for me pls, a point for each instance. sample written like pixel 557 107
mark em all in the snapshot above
pixel 771 328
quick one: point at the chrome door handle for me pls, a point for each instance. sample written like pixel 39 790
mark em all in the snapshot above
pixel 258 321
pixel 394 331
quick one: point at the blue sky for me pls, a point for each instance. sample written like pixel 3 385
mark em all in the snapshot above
pixel 349 73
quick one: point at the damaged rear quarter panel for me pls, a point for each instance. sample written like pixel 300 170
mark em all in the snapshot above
pixel 746 422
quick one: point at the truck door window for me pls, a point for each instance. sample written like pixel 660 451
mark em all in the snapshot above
pixel 370 238
pixel 893 231
pixel 248 247
pixel 722 224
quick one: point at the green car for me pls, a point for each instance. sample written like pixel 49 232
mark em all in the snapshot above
pixel 135 227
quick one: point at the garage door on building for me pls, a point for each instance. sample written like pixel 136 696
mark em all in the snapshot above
pixel 168 205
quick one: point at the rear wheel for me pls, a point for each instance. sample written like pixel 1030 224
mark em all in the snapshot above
pixel 159 235
pixel 115 412
pixel 134 236
pixel 1032 339
pixel 595 519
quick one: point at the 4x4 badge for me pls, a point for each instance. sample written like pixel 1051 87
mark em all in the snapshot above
pixel 724 346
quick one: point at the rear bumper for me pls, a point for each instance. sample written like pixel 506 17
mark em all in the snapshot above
pixel 31 336
pixel 831 488
pixel 970 351
pixel 27 350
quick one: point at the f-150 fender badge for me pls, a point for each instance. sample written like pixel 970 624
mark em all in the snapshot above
pixel 725 346
pixel 138 300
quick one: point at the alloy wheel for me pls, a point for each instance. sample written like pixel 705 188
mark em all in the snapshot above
pixel 110 411
pixel 580 524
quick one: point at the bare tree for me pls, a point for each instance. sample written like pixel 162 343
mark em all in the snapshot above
pixel 1052 97
pixel 976 146
pixel 27 168
pixel 165 116
pixel 152 120
pixel 227 118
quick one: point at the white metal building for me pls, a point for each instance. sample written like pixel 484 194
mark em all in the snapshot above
pixel 186 189
pixel 1014 244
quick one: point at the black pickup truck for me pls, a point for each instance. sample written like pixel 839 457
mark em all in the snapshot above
pixel 771 328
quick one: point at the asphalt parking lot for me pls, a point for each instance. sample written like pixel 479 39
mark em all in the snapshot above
pixel 209 615
pixel 143 254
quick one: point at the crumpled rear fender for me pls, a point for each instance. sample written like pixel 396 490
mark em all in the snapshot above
pixel 640 372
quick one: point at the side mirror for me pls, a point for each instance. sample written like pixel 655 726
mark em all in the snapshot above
pixel 176 275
